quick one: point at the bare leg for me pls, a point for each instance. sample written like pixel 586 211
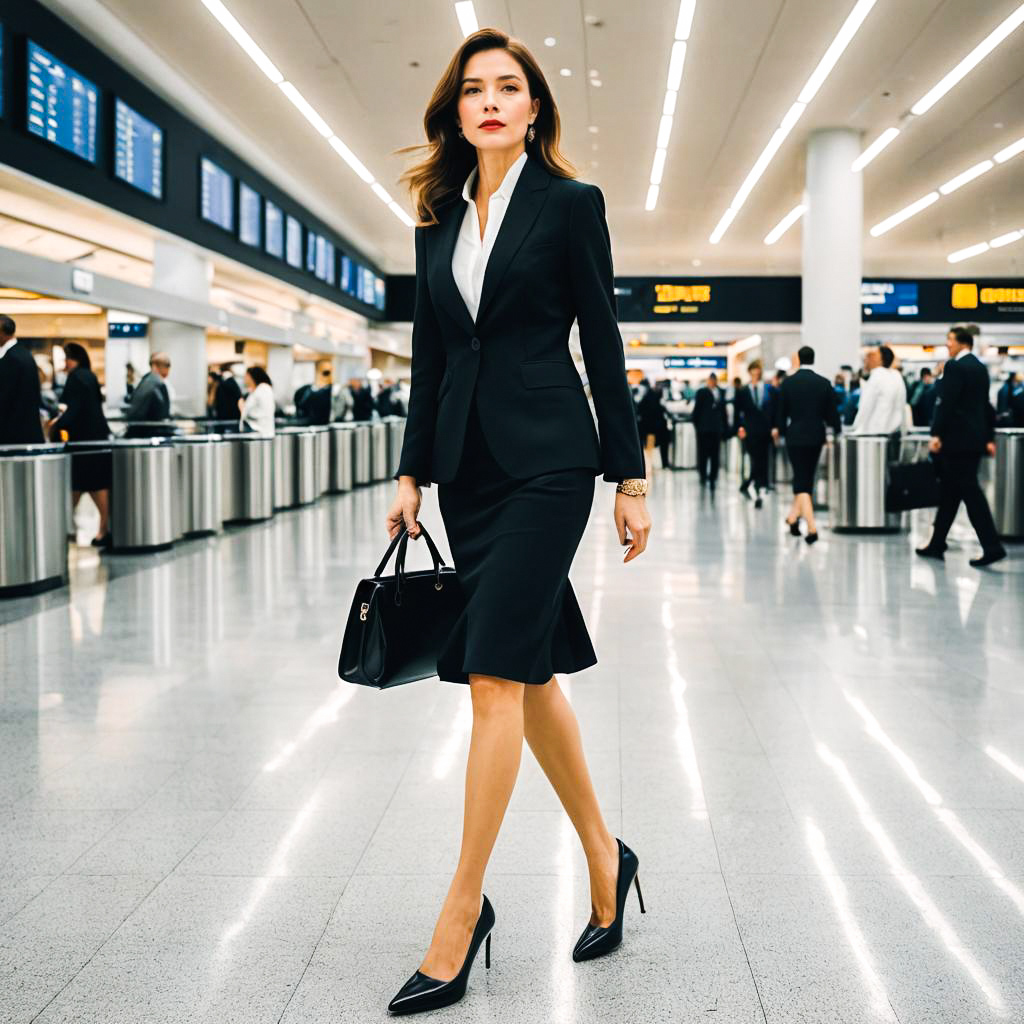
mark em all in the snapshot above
pixel 806 505
pixel 495 750
pixel 553 733
pixel 794 510
pixel 102 500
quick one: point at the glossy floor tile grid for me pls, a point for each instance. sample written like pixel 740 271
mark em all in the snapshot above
pixel 818 754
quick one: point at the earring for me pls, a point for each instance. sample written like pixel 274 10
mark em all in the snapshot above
pixel 531 134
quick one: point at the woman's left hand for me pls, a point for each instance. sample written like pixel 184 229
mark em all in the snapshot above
pixel 631 515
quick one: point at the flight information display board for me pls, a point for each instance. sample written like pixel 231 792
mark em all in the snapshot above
pixel 380 297
pixel 217 189
pixel 892 298
pixel 273 229
pixel 311 237
pixel 62 105
pixel 346 275
pixel 138 150
pixel 293 242
pixel 249 202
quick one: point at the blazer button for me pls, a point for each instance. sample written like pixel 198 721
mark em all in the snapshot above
pixel 475 344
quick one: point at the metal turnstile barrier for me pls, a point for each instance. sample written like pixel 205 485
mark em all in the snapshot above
pixel 199 484
pixel 343 436
pixel 361 465
pixel 307 478
pixel 284 470
pixel 143 514
pixel 1002 479
pixel 322 446
pixel 396 435
pixel 247 485
pixel 378 451
pixel 857 481
pixel 34 483
pixel 684 445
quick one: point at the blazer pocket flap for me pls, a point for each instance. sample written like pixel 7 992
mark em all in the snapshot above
pixel 550 373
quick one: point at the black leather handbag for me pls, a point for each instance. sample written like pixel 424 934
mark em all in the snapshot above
pixel 398 624
pixel 912 485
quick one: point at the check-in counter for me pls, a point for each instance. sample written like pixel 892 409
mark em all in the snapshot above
pixel 200 501
pixel 857 482
pixel 247 484
pixel 361 466
pixel 343 450
pixel 378 451
pixel 143 511
pixel 34 484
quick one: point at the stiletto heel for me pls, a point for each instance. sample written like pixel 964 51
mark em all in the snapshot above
pixel 595 941
pixel 794 527
pixel 639 894
pixel 421 992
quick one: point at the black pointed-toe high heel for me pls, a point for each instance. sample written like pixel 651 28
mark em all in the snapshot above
pixel 595 940
pixel 794 528
pixel 811 538
pixel 421 992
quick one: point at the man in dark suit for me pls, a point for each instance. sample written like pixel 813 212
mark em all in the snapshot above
pixel 754 418
pixel 150 403
pixel 227 396
pixel 712 424
pixel 806 406
pixel 963 430
pixel 20 398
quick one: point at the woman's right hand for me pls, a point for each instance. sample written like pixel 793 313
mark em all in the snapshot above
pixel 404 509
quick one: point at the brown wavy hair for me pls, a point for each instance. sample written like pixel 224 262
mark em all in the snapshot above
pixel 450 158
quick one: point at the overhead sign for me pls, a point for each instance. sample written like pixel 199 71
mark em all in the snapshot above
pixel 696 362
pixel 898 298
pixel 709 299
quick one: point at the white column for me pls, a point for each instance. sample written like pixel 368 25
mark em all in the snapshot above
pixel 832 266
pixel 180 270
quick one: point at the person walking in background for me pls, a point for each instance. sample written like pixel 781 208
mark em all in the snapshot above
pixel 806 405
pixel 653 423
pixel 963 431
pixel 754 419
pixel 362 401
pixel 258 407
pixel 883 398
pixel 20 396
pixel 711 422
pixel 922 399
pixel 151 401
pixel 83 420
pixel 227 394
pixel 1004 398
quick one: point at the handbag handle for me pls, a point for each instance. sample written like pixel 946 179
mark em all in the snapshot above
pixel 401 541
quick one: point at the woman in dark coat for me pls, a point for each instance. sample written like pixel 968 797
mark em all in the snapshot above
pixel 83 420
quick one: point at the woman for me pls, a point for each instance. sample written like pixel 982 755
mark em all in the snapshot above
pixel 258 406
pixel 83 420
pixel 511 251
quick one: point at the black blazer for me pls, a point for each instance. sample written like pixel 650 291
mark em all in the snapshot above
pixel 226 398
pixel 83 418
pixel 756 420
pixel 964 418
pixel 710 416
pixel 19 398
pixel 551 264
pixel 806 405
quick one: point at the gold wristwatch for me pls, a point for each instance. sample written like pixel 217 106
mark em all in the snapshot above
pixel 635 488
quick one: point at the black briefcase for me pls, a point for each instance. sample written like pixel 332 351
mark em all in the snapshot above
pixel 912 485
pixel 398 624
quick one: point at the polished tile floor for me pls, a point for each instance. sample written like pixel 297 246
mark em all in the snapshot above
pixel 817 753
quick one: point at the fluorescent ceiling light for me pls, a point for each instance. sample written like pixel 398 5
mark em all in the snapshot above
pixel 785 224
pixel 305 108
pixel 853 22
pixel 966 254
pixel 1007 239
pixel 652 197
pixel 381 193
pixel 905 214
pixel 244 40
pixel 849 29
pixel 969 175
pixel 664 132
pixel 669 106
pixel 466 14
pixel 350 158
pixel 874 149
pixel 401 215
pixel 1014 149
pixel 969 63
pixel 675 65
pixel 658 167
pixel 685 20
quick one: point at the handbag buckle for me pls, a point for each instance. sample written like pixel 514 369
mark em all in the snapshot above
pixel 363 610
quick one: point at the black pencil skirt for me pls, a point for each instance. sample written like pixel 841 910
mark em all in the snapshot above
pixel 804 460
pixel 513 542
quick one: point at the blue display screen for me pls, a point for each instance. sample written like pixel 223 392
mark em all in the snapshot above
pixel 695 362
pixel 62 105
pixel 311 237
pixel 217 189
pixel 346 275
pixel 380 297
pixel 324 259
pixel 889 298
pixel 249 202
pixel 138 150
pixel 293 239
pixel 273 226
pixel 125 330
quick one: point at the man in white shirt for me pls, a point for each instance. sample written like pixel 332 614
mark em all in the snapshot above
pixel 883 396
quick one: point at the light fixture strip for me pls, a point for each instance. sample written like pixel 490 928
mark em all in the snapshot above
pixel 785 224
pixel 244 40
pixel 835 50
pixel 976 250
pixel 466 13
pixel 905 214
pixel 876 147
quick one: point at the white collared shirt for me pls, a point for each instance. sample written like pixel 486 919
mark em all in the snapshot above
pixel 7 346
pixel 469 260
pixel 883 401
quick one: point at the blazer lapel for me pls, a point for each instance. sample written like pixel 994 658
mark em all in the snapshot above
pixel 524 206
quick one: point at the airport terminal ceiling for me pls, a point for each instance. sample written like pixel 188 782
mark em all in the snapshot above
pixel 746 61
